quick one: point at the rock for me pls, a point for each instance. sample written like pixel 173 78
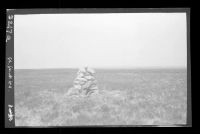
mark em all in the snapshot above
pixel 81 79
pixel 88 84
pixel 77 87
pixel 76 82
pixel 90 70
pixel 89 77
pixel 80 75
pixel 94 87
pixel 81 70
pixel 82 83
pixel 85 82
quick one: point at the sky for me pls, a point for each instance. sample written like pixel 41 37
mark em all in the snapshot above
pixel 109 40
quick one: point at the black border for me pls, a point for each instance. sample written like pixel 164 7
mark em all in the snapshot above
pixel 9 95
pixel 9 70
pixel 97 10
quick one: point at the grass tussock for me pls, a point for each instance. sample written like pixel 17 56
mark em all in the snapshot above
pixel 105 108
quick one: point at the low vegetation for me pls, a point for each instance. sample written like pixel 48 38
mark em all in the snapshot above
pixel 125 98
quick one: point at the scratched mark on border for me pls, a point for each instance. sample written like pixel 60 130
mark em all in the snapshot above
pixel 10 113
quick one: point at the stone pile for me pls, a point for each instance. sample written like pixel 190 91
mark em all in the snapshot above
pixel 85 83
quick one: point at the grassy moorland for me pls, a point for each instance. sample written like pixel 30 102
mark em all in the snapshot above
pixel 126 97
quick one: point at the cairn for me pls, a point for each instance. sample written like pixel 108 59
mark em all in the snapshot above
pixel 85 83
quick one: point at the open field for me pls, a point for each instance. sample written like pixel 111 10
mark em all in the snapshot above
pixel 127 97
